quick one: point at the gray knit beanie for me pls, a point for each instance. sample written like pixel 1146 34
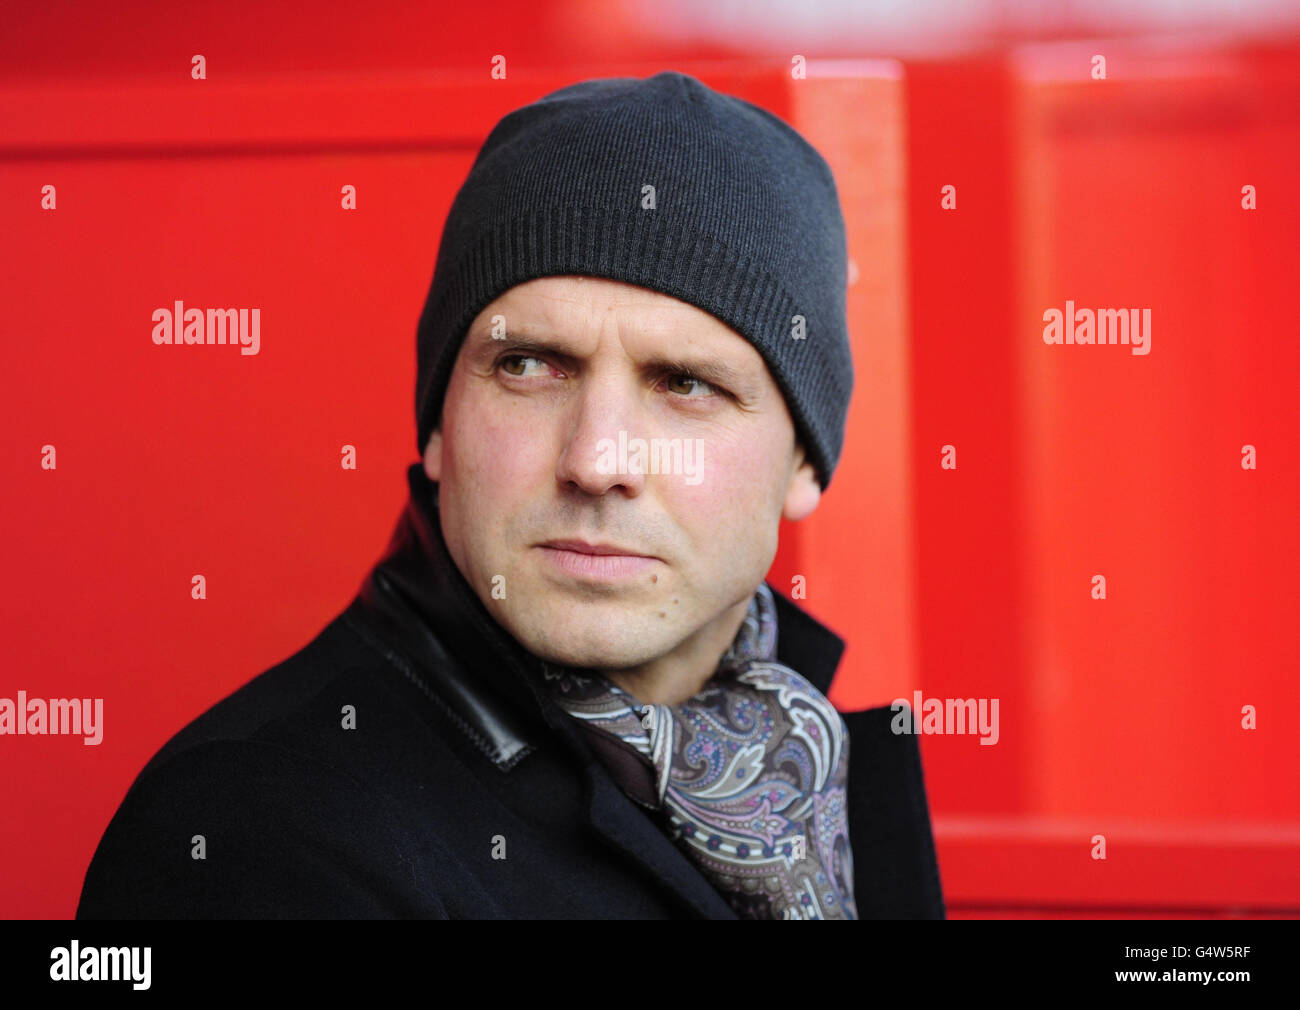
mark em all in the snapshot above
pixel 743 221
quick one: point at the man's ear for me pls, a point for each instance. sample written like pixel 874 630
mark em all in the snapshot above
pixel 804 492
pixel 433 455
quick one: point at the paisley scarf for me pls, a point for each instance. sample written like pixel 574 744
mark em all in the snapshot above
pixel 748 777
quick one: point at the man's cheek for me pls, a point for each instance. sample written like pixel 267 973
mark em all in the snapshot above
pixel 732 481
pixel 708 516
pixel 504 450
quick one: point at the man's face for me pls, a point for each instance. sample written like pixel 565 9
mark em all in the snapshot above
pixel 520 462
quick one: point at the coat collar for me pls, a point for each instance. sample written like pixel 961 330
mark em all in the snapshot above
pixel 417 608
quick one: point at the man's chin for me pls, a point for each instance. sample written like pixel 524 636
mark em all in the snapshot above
pixel 595 649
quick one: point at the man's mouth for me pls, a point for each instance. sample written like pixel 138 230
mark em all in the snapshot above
pixel 583 547
pixel 600 562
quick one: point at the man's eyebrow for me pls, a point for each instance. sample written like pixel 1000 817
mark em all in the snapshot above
pixel 519 341
pixel 711 370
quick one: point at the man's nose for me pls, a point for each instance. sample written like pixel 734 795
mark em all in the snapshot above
pixel 605 418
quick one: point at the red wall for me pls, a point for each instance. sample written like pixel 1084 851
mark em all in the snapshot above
pixel 1123 716
pixel 1118 717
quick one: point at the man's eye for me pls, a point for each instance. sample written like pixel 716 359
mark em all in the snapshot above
pixel 502 363
pixel 684 384
pixel 692 381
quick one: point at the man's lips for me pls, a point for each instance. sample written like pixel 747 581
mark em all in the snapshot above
pixel 582 547
pixel 596 562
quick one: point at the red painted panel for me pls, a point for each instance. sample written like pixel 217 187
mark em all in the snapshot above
pixel 856 549
pixel 1120 717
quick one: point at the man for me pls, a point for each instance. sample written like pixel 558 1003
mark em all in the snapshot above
pixel 566 689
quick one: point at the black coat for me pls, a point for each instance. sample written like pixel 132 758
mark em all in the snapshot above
pixel 454 756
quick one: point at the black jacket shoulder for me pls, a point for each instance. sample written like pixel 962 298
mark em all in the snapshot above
pixel 264 807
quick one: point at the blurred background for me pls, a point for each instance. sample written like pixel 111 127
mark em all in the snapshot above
pixel 995 160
